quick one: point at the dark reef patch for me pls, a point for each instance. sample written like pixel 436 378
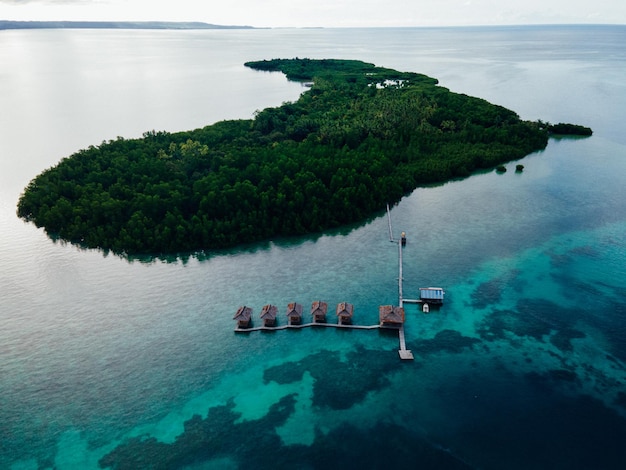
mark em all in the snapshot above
pixel 255 444
pixel 339 384
pixel 490 292
pixel 514 422
pixel 203 439
pixel 486 293
pixel 562 339
pixel 450 341
pixel 286 373
pixel 534 319
pixel 498 324
pixel 588 250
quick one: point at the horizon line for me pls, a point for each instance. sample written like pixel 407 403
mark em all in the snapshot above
pixel 201 25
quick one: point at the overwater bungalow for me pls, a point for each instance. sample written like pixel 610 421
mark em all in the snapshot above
pixel 344 313
pixel 243 317
pixel 318 311
pixel 294 313
pixel 391 316
pixel 268 315
pixel 432 295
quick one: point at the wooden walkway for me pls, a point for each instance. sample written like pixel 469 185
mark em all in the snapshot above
pixel 307 325
pixel 404 353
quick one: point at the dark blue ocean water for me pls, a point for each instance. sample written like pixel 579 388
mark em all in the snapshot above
pixel 135 364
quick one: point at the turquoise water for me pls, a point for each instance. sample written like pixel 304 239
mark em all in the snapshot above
pixel 135 363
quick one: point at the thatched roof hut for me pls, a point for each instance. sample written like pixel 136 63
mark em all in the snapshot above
pixel 344 313
pixel 268 314
pixel 318 310
pixel 243 317
pixel 391 316
pixel 294 313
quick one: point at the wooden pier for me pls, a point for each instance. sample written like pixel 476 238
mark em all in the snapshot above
pixel 391 317
pixel 404 353
pixel 308 325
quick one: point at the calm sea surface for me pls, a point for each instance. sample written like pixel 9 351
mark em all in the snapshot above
pixel 135 363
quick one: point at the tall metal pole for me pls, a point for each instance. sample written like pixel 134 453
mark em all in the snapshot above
pixel 400 300
pixel 389 222
pixel 400 241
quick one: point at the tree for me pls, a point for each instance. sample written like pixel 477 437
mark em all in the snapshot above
pixel 360 137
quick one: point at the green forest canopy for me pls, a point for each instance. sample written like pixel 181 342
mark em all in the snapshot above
pixel 359 137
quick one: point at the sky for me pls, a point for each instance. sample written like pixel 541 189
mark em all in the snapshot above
pixel 323 13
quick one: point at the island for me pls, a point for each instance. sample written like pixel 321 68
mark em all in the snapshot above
pixel 6 24
pixel 359 137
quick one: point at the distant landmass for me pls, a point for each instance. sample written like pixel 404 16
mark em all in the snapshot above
pixel 4 24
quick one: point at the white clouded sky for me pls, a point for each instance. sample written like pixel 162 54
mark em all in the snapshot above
pixel 327 13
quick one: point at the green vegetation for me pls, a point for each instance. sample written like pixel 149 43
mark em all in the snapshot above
pixel 569 129
pixel 360 137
